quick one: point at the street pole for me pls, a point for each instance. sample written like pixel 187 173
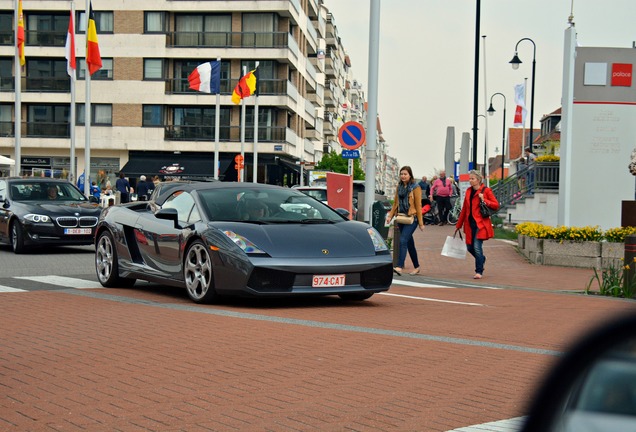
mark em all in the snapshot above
pixel 476 83
pixel 515 62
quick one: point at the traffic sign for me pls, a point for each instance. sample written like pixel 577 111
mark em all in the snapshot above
pixel 351 154
pixel 351 135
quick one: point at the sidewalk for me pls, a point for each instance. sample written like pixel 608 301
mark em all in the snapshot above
pixel 505 266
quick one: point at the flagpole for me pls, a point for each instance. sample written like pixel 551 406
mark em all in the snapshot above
pixel 217 132
pixel 72 114
pixel 241 168
pixel 87 111
pixel 18 96
pixel 486 170
pixel 255 169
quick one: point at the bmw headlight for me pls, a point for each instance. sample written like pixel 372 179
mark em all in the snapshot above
pixel 246 245
pixel 378 242
pixel 32 217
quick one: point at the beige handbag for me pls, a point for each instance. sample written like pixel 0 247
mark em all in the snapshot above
pixel 404 219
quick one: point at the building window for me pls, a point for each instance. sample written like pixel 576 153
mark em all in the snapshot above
pixel 6 121
pixel 6 26
pixel 102 114
pixel 259 28
pixel 154 22
pixel 48 120
pixel 46 29
pixel 153 69
pixel 47 74
pixel 198 123
pixel 153 115
pixel 203 30
pixel 105 73
pixel 6 73
pixel 103 22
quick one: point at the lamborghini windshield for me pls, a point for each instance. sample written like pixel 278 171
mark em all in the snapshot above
pixel 265 206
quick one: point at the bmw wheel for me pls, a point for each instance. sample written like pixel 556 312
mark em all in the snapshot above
pixel 106 264
pixel 197 273
pixel 17 238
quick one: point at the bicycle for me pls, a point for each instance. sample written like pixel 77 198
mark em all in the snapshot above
pixel 453 213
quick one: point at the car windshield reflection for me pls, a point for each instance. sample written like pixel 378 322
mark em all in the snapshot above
pixel 43 191
pixel 265 206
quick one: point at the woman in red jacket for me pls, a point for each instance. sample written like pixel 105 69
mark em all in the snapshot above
pixel 476 227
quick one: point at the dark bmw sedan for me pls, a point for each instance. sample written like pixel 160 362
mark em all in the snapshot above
pixel 44 212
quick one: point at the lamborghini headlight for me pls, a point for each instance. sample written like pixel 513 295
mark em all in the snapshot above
pixel 246 245
pixel 378 242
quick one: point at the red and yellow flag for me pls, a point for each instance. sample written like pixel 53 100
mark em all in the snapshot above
pixel 93 58
pixel 20 34
pixel 247 86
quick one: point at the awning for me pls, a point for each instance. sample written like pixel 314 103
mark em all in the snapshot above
pixel 173 164
pixel 6 161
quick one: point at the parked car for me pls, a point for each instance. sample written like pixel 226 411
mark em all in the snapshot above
pixel 320 193
pixel 39 211
pixel 245 239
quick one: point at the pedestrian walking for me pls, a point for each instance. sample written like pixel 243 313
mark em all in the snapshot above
pixel 477 228
pixel 407 202
pixel 441 192
pixel 123 187
pixel 143 188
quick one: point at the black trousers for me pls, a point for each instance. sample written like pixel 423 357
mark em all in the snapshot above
pixel 443 206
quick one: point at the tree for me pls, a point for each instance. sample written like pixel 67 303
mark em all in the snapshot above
pixel 332 161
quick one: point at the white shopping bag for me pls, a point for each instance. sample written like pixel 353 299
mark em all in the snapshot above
pixel 454 247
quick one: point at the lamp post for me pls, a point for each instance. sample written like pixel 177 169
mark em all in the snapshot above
pixel 491 111
pixel 515 62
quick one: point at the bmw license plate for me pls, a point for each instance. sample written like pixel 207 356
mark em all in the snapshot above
pixel 325 281
pixel 80 231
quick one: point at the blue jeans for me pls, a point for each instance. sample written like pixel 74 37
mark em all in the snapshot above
pixel 476 250
pixel 408 244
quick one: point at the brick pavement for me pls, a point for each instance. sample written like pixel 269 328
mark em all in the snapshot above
pixel 504 266
pixel 415 359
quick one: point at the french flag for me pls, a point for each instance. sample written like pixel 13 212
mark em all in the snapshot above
pixel 206 77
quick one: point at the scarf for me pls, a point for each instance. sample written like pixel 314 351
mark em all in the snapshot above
pixel 403 197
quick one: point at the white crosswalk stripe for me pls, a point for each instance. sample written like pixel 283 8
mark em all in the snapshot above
pixel 63 281
pixel 510 425
pixel 6 289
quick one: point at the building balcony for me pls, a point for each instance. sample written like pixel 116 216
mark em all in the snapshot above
pixel 266 87
pixel 226 133
pixel 184 39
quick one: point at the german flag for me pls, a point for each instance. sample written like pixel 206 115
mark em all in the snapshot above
pixel 247 86
pixel 20 34
pixel 93 58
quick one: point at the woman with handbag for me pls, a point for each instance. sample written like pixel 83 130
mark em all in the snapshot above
pixel 476 220
pixel 407 209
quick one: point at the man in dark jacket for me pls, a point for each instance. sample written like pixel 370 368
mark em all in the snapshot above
pixel 143 189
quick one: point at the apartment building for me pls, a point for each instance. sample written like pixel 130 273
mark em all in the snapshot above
pixel 144 118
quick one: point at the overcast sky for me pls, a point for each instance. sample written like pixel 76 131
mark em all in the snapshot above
pixel 427 52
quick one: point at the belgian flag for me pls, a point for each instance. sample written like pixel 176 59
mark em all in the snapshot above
pixel 247 86
pixel 93 58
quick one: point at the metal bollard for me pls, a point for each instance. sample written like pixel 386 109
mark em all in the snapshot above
pixel 396 244
pixel 630 255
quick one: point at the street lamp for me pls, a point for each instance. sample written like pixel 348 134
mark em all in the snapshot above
pixel 491 111
pixel 515 62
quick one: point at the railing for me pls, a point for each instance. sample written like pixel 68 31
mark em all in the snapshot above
pixel 266 87
pixel 226 133
pixel 45 38
pixel 48 129
pixel 50 84
pixel 228 39
pixel 539 177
